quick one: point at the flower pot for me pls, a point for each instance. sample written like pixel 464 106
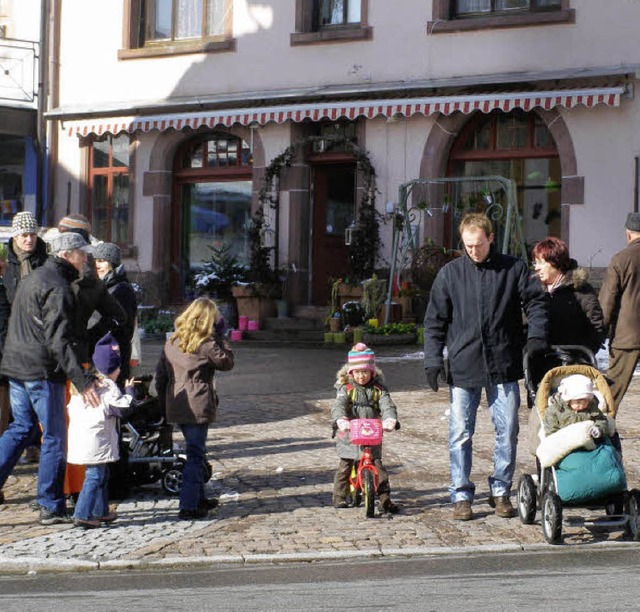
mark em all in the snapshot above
pixel 328 337
pixel 282 307
pixel 339 338
pixel 335 325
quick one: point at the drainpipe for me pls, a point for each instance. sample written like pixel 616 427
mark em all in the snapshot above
pixel 41 129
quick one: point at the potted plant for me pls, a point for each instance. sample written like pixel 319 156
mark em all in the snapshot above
pixel 217 277
pixel 391 333
pixel 259 286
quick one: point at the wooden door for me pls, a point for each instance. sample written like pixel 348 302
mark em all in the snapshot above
pixel 334 188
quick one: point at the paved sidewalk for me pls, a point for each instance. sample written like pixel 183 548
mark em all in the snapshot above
pixel 273 469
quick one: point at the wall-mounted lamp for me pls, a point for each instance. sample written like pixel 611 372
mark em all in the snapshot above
pixel 389 210
pixel 348 234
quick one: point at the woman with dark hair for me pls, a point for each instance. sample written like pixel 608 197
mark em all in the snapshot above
pixel 575 315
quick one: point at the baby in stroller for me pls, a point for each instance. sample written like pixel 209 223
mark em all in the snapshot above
pixel 578 465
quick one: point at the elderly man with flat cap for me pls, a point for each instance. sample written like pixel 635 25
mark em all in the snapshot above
pixel 40 353
pixel 620 300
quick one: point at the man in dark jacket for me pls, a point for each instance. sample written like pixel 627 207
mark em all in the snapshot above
pixel 620 300
pixel 91 293
pixel 476 311
pixel 40 353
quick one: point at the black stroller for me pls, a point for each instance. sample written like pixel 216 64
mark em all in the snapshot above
pixel 146 449
pixel 546 489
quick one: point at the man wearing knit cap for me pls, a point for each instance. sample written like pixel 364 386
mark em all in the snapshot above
pixel 620 300
pixel 40 353
pixel 26 251
pixel 76 223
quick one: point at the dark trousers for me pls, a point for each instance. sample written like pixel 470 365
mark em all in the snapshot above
pixel 622 363
pixel 341 481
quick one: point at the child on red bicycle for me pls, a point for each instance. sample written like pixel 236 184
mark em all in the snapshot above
pixel 361 395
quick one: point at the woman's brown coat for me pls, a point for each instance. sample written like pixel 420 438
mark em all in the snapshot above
pixel 185 382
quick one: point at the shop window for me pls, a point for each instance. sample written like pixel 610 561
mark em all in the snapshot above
pixel 517 146
pixel 331 21
pixel 333 137
pixel 109 208
pixel 213 190
pixel 170 27
pixel 459 15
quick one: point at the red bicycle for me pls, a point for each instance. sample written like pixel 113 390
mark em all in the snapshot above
pixel 364 479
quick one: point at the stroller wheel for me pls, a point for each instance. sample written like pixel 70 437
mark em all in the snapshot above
pixel 526 499
pixel 632 510
pixel 551 518
pixel 172 478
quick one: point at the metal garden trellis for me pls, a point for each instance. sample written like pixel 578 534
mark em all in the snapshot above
pixel 493 195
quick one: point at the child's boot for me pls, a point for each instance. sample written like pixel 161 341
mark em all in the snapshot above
pixel 386 505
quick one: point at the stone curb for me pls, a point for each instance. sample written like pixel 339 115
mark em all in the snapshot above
pixel 55 565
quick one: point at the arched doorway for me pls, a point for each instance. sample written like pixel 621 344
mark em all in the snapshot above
pixel 211 204
pixel 519 146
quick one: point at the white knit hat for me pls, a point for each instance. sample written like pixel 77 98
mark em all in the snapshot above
pixel 576 387
pixel 23 223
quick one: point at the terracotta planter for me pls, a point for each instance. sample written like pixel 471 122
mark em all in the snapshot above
pixel 335 325
pixel 253 305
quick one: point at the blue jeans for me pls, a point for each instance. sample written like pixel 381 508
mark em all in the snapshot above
pixel 192 490
pixel 93 501
pixel 36 401
pixel 504 401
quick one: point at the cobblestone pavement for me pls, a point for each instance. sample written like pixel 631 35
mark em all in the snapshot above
pixel 273 468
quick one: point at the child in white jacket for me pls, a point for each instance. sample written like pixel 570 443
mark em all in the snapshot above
pixel 93 435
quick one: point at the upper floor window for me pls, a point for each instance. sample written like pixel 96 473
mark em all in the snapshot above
pixel 465 8
pixel 338 12
pixel 461 15
pixel 170 27
pixel 109 209
pixel 168 20
pixel 331 21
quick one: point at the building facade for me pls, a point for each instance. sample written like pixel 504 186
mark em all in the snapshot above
pixel 167 115
pixel 22 131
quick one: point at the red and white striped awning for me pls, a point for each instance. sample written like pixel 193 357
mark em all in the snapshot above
pixel 333 111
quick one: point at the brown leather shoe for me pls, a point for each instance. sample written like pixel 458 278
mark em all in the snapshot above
pixel 462 511
pixel 503 506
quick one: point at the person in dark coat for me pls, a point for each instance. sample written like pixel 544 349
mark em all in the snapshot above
pixel 26 251
pixel 113 275
pixel 476 310
pixel 186 391
pixel 40 353
pixel 575 315
pixel 91 293
pixel 620 300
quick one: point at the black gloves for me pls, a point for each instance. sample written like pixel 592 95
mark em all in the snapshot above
pixel 536 345
pixel 432 376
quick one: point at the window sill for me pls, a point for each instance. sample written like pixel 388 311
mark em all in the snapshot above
pixel 331 35
pixel 502 21
pixel 218 46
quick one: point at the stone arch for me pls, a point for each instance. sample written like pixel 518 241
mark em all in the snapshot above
pixel 446 129
pixel 158 181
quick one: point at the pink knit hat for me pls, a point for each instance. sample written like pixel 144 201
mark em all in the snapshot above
pixel 361 357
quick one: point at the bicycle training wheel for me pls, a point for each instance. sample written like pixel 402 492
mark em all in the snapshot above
pixel 369 492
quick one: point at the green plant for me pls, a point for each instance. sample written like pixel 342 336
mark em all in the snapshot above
pixel 219 273
pixel 374 291
pixel 161 324
pixel 260 269
pixel 391 328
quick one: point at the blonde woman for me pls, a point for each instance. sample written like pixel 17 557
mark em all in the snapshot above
pixel 184 381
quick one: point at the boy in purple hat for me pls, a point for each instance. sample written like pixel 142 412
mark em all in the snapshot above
pixel 361 395
pixel 93 435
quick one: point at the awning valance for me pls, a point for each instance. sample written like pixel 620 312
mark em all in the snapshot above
pixel 333 111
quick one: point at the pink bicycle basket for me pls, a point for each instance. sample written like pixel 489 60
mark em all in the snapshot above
pixel 366 432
